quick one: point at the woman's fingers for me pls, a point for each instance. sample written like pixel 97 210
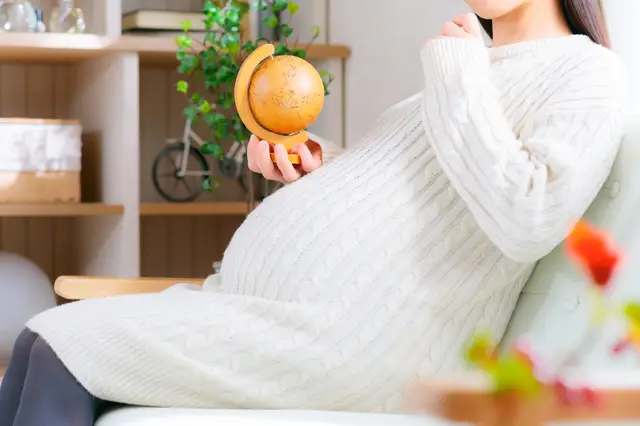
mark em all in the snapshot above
pixel 252 154
pixel 308 161
pixel 469 22
pixel 259 159
pixel 289 173
pixel 264 163
pixel 450 29
pixel 462 26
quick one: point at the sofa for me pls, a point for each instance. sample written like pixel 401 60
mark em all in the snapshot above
pixel 551 314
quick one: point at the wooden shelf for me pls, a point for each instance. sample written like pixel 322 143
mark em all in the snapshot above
pixel 194 209
pixel 28 47
pixel 48 47
pixel 60 210
pixel 162 50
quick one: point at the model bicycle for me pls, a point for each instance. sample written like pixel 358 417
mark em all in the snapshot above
pixel 180 169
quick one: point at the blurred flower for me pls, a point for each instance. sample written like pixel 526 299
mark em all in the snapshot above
pixel 511 371
pixel 575 396
pixel 515 369
pixel 595 252
pixel 632 338
pixel 480 352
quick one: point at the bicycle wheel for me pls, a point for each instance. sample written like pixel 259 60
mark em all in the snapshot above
pixel 166 177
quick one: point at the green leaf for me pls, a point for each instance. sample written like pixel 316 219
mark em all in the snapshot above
pixel 242 6
pixel 230 38
pixel 279 5
pixel 185 25
pixel 191 112
pixel 286 30
pixel 219 124
pixel 233 48
pixel 212 119
pixel 226 99
pixel 300 53
pixel 188 63
pixel 212 148
pixel 262 5
pixel 183 41
pixel 205 107
pixel 327 79
pixel 206 184
pixel 271 21
pixel 182 86
pixel 208 148
pixel 249 46
pixel 316 31
pixel 196 98
pixel 281 49
pixel 293 7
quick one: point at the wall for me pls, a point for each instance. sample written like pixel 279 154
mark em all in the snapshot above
pixel 385 38
pixel 622 17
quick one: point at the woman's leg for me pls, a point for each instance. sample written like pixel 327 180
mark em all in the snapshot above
pixel 51 395
pixel 13 380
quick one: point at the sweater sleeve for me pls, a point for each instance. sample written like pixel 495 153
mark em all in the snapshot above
pixel 330 150
pixel 525 190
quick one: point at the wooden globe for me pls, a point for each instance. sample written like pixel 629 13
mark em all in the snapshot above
pixel 278 97
pixel 286 94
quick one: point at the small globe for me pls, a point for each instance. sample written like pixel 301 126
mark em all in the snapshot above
pixel 286 94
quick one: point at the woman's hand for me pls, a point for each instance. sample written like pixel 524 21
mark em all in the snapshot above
pixel 462 26
pixel 259 157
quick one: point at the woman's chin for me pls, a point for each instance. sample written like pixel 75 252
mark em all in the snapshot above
pixel 492 9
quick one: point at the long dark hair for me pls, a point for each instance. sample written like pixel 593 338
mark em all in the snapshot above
pixel 583 16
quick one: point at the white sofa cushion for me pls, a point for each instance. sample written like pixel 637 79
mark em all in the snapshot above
pixel 553 310
pixel 181 417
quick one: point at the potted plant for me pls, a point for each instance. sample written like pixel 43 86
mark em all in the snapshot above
pixel 215 60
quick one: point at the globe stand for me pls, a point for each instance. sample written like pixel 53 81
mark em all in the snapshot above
pixel 241 93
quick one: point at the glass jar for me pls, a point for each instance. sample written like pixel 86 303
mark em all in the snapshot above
pixel 66 18
pixel 40 26
pixel 17 16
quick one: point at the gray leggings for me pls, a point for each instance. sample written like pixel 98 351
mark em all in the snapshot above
pixel 38 390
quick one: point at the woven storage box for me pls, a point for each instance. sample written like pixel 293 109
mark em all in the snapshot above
pixel 40 160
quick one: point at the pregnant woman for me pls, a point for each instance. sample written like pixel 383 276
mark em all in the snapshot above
pixel 373 268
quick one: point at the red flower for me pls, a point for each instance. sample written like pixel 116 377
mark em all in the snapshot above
pixel 621 345
pixel 595 252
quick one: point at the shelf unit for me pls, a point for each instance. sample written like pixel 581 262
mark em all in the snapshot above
pixel 121 89
pixel 219 208
pixel 151 50
pixel 60 210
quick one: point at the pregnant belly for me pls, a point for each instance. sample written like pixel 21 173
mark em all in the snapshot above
pixel 283 241
pixel 349 221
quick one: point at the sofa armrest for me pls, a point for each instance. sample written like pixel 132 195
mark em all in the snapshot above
pixel 472 400
pixel 80 288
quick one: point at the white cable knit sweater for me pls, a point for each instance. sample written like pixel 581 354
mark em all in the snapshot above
pixel 344 287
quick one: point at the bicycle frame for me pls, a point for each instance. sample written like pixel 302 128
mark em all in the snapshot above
pixel 187 137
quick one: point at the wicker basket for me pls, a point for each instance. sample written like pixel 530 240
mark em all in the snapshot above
pixel 40 160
